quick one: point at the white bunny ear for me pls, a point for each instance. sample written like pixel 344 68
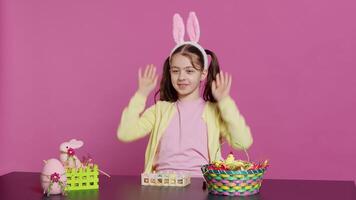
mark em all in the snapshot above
pixel 178 29
pixel 75 143
pixel 193 28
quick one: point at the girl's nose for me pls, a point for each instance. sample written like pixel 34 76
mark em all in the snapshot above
pixel 181 76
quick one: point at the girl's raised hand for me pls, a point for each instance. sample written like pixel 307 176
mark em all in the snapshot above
pixel 221 85
pixel 148 80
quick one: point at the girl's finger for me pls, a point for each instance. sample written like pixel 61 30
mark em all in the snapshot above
pixel 225 79
pixel 155 80
pixel 140 73
pixel 149 75
pixel 218 80
pixel 149 71
pixel 146 71
pixel 222 78
pixel 213 85
pixel 229 82
pixel 153 72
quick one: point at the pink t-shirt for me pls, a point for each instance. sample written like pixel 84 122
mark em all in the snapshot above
pixel 184 148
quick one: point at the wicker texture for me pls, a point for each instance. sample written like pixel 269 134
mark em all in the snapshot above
pixel 233 183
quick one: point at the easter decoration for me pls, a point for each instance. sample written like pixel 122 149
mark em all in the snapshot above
pixel 231 177
pixel 165 179
pixel 68 157
pixel 70 173
pixel 53 177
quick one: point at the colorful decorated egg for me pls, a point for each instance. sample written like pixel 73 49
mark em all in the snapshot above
pixel 53 177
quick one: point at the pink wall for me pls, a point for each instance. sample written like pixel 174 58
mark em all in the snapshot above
pixel 69 67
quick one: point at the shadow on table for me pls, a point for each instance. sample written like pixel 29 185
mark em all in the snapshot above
pixel 252 197
pixel 77 195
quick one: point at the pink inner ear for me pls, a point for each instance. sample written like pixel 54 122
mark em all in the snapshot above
pixel 178 29
pixel 193 28
pixel 75 143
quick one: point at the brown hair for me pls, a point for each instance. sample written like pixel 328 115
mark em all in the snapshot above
pixel 168 93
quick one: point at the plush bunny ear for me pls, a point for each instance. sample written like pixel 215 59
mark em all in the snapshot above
pixel 75 143
pixel 193 28
pixel 178 29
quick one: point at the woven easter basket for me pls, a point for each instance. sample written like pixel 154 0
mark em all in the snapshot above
pixel 233 182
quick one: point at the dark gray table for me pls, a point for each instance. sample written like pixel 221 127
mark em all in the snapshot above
pixel 25 185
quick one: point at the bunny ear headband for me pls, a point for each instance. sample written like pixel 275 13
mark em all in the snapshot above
pixel 193 31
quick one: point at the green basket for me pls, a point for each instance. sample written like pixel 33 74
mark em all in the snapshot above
pixel 83 178
pixel 233 183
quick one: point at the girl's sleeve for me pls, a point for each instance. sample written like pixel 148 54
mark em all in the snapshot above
pixel 133 125
pixel 233 126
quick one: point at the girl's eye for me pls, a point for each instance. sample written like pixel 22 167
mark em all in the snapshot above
pixel 174 71
pixel 190 71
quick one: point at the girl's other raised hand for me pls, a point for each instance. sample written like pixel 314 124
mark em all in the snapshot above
pixel 221 85
pixel 147 80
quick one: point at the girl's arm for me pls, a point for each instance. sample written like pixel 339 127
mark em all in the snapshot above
pixel 233 126
pixel 133 126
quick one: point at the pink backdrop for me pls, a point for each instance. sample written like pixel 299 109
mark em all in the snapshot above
pixel 69 67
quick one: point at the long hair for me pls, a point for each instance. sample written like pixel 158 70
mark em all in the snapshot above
pixel 166 90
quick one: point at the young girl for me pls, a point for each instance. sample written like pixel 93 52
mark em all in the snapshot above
pixel 185 127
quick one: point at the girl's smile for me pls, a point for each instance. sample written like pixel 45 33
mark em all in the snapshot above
pixel 182 85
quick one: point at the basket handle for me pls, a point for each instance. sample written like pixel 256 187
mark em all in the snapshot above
pixel 236 142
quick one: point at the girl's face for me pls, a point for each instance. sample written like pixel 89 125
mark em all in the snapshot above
pixel 185 78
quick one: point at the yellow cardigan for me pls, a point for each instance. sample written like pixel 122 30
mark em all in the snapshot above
pixel 223 121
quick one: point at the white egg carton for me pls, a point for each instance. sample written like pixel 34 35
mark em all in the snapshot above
pixel 165 179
